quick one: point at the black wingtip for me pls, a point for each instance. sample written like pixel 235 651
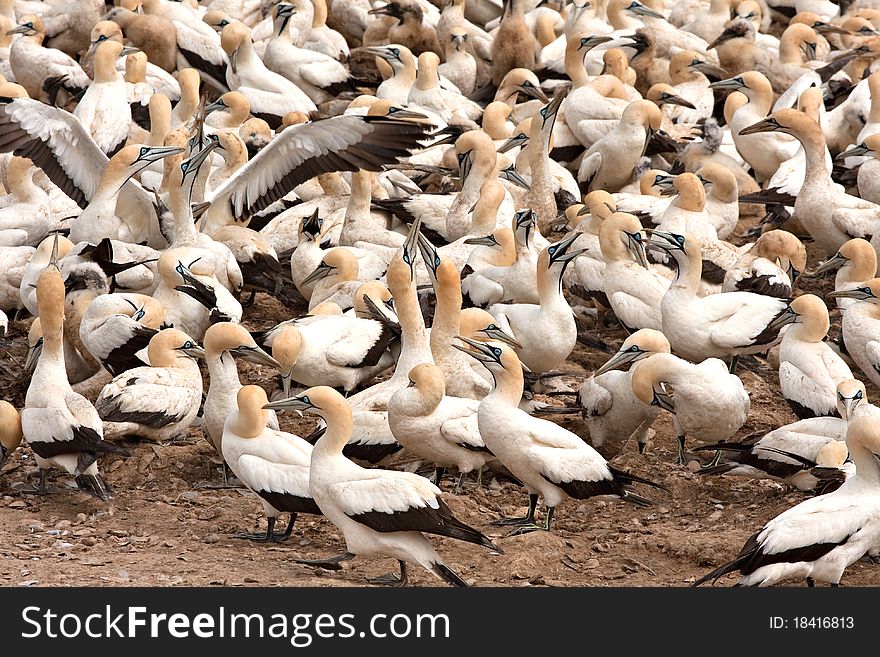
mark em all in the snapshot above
pixel 94 485
pixel 447 574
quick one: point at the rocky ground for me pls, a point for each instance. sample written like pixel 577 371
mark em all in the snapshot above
pixel 162 528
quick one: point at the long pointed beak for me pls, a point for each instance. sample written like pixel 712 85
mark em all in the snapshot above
pixel 213 107
pixel 128 50
pixel 321 271
pixel 292 403
pixel 619 361
pixel 534 91
pixel 849 407
pixel 764 125
pixel 835 261
pixel 410 246
pixel 512 143
pixel 730 83
pixel 810 51
pixel 233 61
pixel 828 28
pixel 380 11
pixel 850 294
pixel 380 51
pixel 33 356
pixel 636 246
pixel 429 254
pixel 465 160
pixel 709 70
pixel 256 356
pixel 21 29
pixel 196 160
pixel 786 317
pixel 157 153
pixel 559 251
pixel 594 41
pixel 492 332
pixel 479 350
pixel 510 174
pixel 672 99
pixel 285 384
pixel 854 151
pixel 488 240
pixel 642 10
pixel 194 351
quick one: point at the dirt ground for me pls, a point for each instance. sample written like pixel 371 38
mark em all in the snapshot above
pixel 162 529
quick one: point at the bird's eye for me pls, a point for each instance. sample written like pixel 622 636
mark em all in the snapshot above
pixel 179 268
pixel 101 38
pixel 393 110
pixel 144 151
pixel 184 166
pixel 436 261
pixel 223 23
pixel 496 351
pixel 527 84
pixel 395 51
pixel 695 62
pixel 138 315
pixel 679 239
pixel 867 290
pixel 406 257
pixel 187 345
pixel 551 250
pixel 544 112
pixel 634 349
pixel 740 81
pixel 307 400
pixel 858 395
pixel 491 327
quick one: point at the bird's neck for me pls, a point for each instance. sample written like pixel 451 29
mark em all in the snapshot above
pixel 867 467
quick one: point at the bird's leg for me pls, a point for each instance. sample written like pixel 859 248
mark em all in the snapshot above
pixel 280 538
pixel 330 563
pixel 811 582
pixel 224 470
pixel 391 579
pixel 438 474
pixel 250 299
pixel 734 361
pixel 42 488
pixel 681 456
pixel 459 486
pixel 261 538
pixel 527 529
pixel 836 584
pixel 529 519
pixel 715 460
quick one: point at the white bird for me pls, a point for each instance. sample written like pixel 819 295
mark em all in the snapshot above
pixel 727 324
pixel 159 401
pixel 551 461
pixel 61 427
pixel 770 266
pixel 273 464
pixel 634 291
pixel 546 331
pixel 27 218
pixel 271 95
pixel 809 369
pixel 104 109
pixel 707 402
pixel 611 411
pixel 115 327
pixel 437 427
pixel 860 326
pixel 379 512
pixel 856 262
pixel 820 537
pixel 224 342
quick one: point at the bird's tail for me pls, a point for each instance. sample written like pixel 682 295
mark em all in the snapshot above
pixel 445 573
pixel 94 485
pixel 630 478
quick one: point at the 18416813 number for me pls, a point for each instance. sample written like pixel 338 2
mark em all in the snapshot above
pixel 823 622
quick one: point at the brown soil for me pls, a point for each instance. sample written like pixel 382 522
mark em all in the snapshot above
pixel 159 529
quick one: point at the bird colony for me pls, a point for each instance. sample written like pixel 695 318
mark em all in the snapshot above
pixel 492 293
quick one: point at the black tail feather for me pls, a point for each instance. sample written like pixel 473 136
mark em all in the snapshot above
pixel 447 575
pixel 94 485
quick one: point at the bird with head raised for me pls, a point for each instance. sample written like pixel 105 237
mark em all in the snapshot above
pixel 849 216
pixel 379 512
pixel 551 461
pixel 723 325
pixel 634 291
pixel 546 331
pixel 821 537
pixel 159 401
pixel 61 427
